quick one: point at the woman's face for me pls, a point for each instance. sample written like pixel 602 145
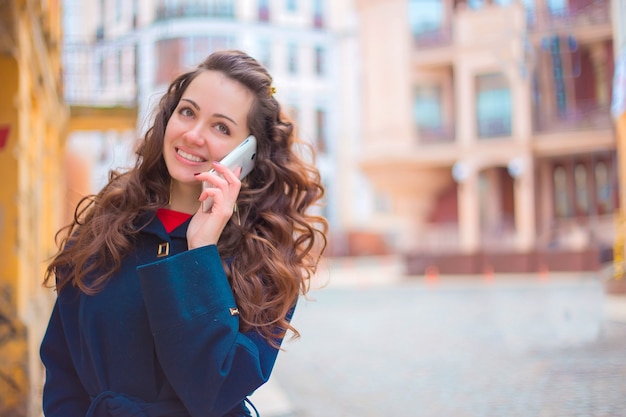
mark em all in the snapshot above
pixel 209 121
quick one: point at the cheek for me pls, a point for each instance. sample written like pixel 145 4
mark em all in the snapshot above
pixel 169 133
pixel 220 151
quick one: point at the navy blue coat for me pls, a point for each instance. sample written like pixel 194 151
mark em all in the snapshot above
pixel 160 340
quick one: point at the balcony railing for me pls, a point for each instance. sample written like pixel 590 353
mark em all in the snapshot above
pixel 595 13
pixel 493 127
pixel 434 135
pixel 102 76
pixel 433 38
pixel 215 8
pixel 582 116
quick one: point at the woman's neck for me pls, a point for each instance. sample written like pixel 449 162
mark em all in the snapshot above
pixel 184 197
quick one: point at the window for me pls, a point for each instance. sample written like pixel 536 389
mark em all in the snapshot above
pixel 119 71
pixel 320 61
pixel 169 8
pixel 557 7
pixel 493 106
pixel 318 14
pixel 264 10
pixel 427 107
pixel 291 5
pixel 529 5
pixel 224 8
pixel 265 52
pixel 321 126
pixel 102 71
pixel 584 187
pixel 134 12
pixel 168 59
pixel 118 11
pixel 195 49
pixel 475 4
pixel 425 16
pixel 581 186
pixel 561 196
pixel 175 55
pixel 604 189
pixel 292 58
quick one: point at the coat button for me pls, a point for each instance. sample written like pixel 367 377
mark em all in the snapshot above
pixel 163 249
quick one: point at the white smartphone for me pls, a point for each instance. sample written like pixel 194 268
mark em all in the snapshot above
pixel 242 156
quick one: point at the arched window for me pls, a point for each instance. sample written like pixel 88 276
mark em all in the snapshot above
pixel 561 203
pixel 603 188
pixel 581 186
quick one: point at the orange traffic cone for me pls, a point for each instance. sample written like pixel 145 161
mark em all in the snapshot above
pixel 431 276
pixel 488 274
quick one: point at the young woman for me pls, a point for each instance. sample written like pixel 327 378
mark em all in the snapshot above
pixel 163 309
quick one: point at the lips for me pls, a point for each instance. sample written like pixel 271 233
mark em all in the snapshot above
pixel 189 157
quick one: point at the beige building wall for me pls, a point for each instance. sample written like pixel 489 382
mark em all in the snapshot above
pixel 388 139
pixel 618 13
pixel 499 182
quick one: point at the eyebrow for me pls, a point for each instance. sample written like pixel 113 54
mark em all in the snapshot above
pixel 197 107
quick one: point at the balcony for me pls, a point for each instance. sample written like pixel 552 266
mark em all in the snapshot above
pixel 433 38
pixel 433 48
pixel 436 135
pixel 595 13
pixel 587 115
pixel 100 85
pixel 215 8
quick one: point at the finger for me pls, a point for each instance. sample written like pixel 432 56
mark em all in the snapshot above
pixel 231 176
pixel 208 197
pixel 203 176
pixel 211 179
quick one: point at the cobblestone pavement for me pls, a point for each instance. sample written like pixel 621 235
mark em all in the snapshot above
pixel 516 347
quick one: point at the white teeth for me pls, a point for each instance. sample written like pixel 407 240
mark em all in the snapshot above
pixel 189 156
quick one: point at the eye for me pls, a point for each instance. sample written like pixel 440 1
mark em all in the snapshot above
pixel 186 112
pixel 222 128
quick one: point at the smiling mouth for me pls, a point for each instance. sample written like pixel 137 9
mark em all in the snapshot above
pixel 188 156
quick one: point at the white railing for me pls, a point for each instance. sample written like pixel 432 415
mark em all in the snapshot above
pixel 100 75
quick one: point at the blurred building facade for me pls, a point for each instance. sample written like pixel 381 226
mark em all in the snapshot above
pixel 487 131
pixel 120 57
pixel 33 120
pixel 618 110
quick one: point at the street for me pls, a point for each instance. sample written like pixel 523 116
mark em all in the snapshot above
pixel 514 346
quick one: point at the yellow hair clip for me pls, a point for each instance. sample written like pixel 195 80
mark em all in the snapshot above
pixel 272 91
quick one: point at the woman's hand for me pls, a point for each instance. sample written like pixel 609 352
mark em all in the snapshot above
pixel 206 228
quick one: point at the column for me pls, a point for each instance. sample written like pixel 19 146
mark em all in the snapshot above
pixel 469 214
pixel 525 207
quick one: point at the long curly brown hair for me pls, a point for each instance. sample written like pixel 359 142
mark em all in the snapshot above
pixel 273 250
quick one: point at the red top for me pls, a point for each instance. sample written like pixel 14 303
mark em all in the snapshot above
pixel 171 219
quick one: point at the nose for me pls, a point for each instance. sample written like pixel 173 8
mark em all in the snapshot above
pixel 195 135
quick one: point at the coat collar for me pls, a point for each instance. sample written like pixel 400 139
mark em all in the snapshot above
pixel 155 227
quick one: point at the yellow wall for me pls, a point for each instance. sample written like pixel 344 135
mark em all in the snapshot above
pixel 619 252
pixel 31 190
pixel 13 352
pixel 8 172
